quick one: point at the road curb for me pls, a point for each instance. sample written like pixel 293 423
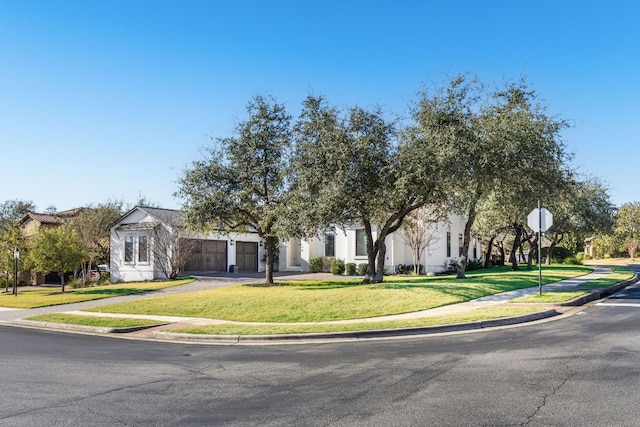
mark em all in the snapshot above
pixel 380 333
pixel 601 293
pixel 81 328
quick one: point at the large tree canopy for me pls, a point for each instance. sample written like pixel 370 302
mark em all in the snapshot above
pixel 352 169
pixel 532 162
pixel 627 228
pixel 245 182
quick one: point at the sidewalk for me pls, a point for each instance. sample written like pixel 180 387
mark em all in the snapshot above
pixel 172 322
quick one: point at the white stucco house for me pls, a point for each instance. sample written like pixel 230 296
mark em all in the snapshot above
pixel 135 239
pixel 349 244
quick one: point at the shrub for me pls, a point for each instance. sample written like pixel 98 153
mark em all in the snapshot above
pixel 474 264
pixel 326 263
pixel 572 260
pixel 316 264
pixel 451 266
pixel 403 269
pixel 75 283
pixel 105 278
pixel 362 269
pixel 350 269
pixel 337 266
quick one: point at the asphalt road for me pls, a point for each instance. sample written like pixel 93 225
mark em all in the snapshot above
pixel 578 371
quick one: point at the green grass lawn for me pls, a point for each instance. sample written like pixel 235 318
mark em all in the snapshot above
pixel 314 301
pixel 550 297
pixel 42 298
pixel 107 322
pixel 485 313
pixel 618 275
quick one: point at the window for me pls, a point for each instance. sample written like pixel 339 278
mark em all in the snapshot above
pixel 475 249
pixel 143 249
pixel 329 245
pixel 448 244
pixel 128 249
pixel 361 243
pixel 460 245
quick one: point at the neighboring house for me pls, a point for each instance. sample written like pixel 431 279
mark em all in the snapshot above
pixel 32 223
pixel 135 236
pixel 139 234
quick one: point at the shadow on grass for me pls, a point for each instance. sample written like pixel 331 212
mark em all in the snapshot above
pixel 113 292
pixel 478 283
pixel 100 291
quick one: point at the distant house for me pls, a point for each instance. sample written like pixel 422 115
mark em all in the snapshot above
pixel 135 240
pixel 32 223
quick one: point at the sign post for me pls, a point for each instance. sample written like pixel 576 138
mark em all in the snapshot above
pixel 540 220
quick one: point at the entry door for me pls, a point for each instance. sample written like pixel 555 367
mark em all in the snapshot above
pixel 247 256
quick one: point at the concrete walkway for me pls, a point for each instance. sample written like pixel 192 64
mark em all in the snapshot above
pixel 8 315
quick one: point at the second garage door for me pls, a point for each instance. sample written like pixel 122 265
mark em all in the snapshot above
pixel 247 256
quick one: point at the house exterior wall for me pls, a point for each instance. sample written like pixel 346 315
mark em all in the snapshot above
pixel 135 269
pixel 434 257
pixel 293 254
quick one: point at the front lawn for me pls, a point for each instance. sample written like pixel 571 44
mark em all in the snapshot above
pixel 618 275
pixel 484 313
pixel 315 301
pixel 107 322
pixel 551 297
pixel 43 298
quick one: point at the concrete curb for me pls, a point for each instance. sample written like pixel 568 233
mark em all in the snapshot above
pixel 601 293
pixel 380 333
pixel 81 328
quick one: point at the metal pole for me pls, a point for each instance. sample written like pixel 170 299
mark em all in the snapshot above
pixel 539 248
pixel 15 275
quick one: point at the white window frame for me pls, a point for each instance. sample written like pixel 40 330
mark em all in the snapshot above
pixel 360 256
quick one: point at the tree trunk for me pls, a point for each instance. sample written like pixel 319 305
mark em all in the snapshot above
pixel 270 247
pixel 382 252
pixel 533 251
pixel 550 250
pixel 462 265
pixel 487 254
pixel 514 250
pixel 61 282
pixel 372 251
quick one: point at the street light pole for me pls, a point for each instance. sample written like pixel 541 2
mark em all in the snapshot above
pixel 16 257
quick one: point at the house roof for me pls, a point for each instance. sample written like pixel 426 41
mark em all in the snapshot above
pixel 52 218
pixel 166 216
pixel 42 218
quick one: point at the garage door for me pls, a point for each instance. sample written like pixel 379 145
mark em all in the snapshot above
pixel 247 256
pixel 207 255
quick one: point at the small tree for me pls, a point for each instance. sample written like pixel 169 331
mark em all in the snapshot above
pixel 419 231
pixel 171 250
pixel 92 230
pixel 10 237
pixel 55 250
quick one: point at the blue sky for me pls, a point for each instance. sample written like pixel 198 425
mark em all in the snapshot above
pixel 113 99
